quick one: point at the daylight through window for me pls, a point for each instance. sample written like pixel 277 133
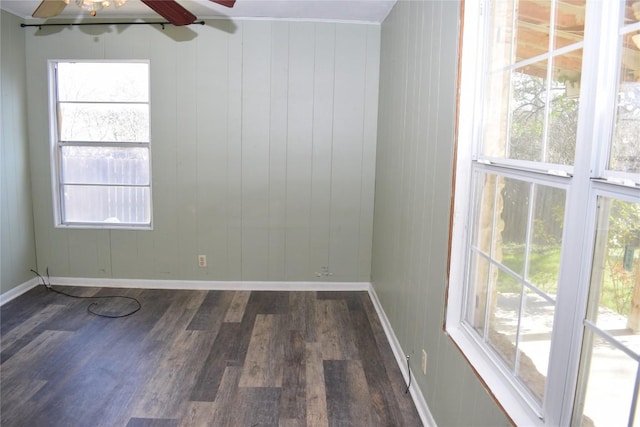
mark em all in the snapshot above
pixel 544 292
pixel 102 154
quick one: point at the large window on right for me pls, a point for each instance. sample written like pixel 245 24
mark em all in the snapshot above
pixel 544 286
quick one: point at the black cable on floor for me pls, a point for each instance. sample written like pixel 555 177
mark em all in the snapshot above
pixel 47 284
pixel 409 374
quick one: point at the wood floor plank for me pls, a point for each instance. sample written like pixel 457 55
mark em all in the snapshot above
pixel 224 416
pixel 34 360
pixel 178 316
pixel 327 331
pixel 337 389
pixel 171 383
pixel 221 353
pixel 293 397
pixel 256 406
pixel 29 329
pixel 396 380
pixel 29 324
pixel 212 311
pixel 77 315
pixel 361 409
pixel 302 314
pixel 152 422
pixel 270 302
pixel 79 378
pixel 20 379
pixel 197 414
pixel 15 397
pixel 332 319
pixel 385 404
pixel 237 307
pixel 201 358
pixel 263 365
pixel 18 310
pixel 286 422
pixel 255 364
pixel 316 400
pixel 118 405
pixel 260 302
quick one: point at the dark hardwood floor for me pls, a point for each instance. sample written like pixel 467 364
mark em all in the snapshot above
pixel 198 358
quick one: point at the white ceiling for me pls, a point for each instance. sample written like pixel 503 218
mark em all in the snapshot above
pixel 324 10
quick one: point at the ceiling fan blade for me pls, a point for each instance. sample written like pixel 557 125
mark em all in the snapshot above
pixel 172 11
pixel 49 8
pixel 227 3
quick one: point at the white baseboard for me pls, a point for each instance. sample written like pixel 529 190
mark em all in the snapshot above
pixel 416 394
pixel 18 290
pixel 210 285
pixel 400 355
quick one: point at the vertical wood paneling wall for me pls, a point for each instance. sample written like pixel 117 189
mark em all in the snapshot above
pixel 17 253
pixel 412 203
pixel 263 151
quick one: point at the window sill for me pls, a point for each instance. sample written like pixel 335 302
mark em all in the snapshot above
pixel 502 390
pixel 105 226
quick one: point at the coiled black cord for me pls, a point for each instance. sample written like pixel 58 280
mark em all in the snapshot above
pixel 47 284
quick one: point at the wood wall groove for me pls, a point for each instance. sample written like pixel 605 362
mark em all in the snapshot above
pixel 263 151
pixel 412 200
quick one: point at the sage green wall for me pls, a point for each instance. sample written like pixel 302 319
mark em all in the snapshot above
pixel 419 45
pixel 18 254
pixel 263 151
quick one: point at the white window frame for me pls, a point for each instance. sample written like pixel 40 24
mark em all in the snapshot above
pixel 584 183
pixel 56 158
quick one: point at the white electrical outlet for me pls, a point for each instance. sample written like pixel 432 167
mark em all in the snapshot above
pixel 202 261
pixel 424 361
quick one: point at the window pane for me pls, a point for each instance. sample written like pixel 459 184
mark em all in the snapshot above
pixel 521 233
pixel 104 122
pixel 514 224
pixel 515 290
pixel 632 12
pixel 615 278
pixel 477 298
pixel 486 187
pixel 534 342
pixel 496 115
pixel 624 154
pixel 103 82
pixel 546 238
pixel 570 17
pixel 532 28
pixel 562 124
pixel 528 102
pixel 504 315
pixel 611 376
pixel 527 117
pixel 106 204
pixel 501 33
pixel 614 307
pixel 105 165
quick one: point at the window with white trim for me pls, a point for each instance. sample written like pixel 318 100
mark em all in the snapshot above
pixel 101 144
pixel 544 283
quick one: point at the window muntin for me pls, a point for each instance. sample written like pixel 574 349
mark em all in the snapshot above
pixel 531 109
pixel 515 257
pixel 102 144
pixel 570 156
